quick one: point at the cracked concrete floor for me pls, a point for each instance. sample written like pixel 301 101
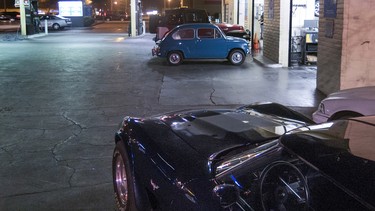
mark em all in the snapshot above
pixel 63 96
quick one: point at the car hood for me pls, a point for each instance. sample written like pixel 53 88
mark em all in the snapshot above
pixel 226 27
pixel 343 150
pixel 353 94
pixel 210 131
pixel 184 142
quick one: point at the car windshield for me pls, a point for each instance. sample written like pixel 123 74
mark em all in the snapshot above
pixel 354 137
pixel 59 16
pixel 232 158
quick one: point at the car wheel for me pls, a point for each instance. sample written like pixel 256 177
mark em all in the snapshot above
pixel 283 187
pixel 236 57
pixel 174 58
pixel 56 26
pixel 122 179
pixel 344 115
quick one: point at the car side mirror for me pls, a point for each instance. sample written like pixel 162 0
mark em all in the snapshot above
pixel 228 194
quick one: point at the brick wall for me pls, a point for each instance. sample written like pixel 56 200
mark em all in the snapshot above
pixel 271 33
pixel 330 51
pixel 358 52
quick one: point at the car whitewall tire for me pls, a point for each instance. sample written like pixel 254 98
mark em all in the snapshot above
pixel 174 58
pixel 236 57
pixel 122 179
pixel 56 26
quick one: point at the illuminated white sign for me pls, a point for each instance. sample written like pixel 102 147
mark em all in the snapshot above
pixel 70 8
pixel 17 3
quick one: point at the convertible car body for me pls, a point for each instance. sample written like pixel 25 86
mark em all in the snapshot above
pixel 256 157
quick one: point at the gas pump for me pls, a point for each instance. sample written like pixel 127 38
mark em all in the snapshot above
pixel 32 18
pixel 139 23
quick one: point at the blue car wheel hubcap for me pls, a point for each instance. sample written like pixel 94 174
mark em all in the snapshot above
pixel 174 58
pixel 237 57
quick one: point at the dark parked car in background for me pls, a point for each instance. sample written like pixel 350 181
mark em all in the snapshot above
pixel 174 17
pixel 200 41
pixel 226 27
pixel 235 30
pixel 4 17
pixel 9 16
pixel 245 34
pixel 116 15
pixel 256 157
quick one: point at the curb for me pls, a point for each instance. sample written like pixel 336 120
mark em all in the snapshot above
pixel 262 60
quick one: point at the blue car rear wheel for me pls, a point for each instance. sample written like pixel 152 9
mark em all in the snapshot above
pixel 174 58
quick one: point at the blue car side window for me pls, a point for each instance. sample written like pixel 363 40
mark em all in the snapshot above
pixel 217 34
pixel 183 34
pixel 206 33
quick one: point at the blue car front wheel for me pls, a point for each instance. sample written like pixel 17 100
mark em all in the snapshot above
pixel 236 57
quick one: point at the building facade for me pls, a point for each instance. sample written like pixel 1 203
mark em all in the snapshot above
pixel 335 35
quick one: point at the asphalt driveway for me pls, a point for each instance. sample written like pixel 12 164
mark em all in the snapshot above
pixel 63 96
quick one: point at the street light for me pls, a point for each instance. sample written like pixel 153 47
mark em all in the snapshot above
pixel 5 6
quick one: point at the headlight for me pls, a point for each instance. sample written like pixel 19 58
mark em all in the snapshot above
pixel 124 123
pixel 322 108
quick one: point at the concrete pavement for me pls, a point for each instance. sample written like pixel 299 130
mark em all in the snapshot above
pixel 63 96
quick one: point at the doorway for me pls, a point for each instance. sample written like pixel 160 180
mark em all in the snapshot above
pixel 304 32
pixel 258 30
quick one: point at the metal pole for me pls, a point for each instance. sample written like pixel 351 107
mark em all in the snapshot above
pixel 46 26
pixel 5 6
pixel 133 20
pixel 23 18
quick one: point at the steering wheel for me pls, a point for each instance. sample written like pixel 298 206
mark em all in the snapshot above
pixel 283 187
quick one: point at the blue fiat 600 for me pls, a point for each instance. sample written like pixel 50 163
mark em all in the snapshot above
pixel 200 41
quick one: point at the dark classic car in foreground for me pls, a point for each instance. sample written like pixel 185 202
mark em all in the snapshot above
pixel 256 157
